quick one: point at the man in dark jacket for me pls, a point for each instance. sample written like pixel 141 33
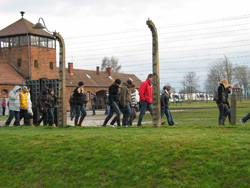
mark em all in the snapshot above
pixel 43 105
pixel 165 105
pixel 125 100
pixel 79 100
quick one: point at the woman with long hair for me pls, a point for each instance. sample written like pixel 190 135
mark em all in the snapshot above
pixel 222 102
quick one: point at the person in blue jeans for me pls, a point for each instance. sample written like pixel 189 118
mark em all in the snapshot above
pixel 244 119
pixel 125 100
pixel 113 102
pixel 165 105
pixel 14 106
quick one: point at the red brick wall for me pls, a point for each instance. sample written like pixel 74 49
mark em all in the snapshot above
pixel 43 56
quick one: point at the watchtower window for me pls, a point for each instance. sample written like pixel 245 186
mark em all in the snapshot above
pixel 36 64
pixel 4 42
pixel 34 40
pixel 5 91
pixel 14 41
pixel 23 41
pixel 51 43
pixel 51 65
pixel 43 42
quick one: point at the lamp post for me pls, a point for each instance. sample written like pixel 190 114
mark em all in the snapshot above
pixel 62 78
pixel 156 77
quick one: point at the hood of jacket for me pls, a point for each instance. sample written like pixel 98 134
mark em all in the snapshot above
pixel 125 84
pixel 16 88
pixel 45 89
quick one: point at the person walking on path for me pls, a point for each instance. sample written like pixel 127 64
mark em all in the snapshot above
pixel 72 107
pixel 52 103
pixel 106 99
pixel 146 97
pixel 222 103
pixel 3 106
pixel 125 101
pixel 43 105
pixel 165 105
pixel 79 101
pixel 24 105
pixel 14 106
pixel 228 91
pixel 113 103
pixel 133 104
pixel 93 102
pixel 30 111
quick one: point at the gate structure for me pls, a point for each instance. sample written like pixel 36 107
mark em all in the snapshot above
pixel 36 87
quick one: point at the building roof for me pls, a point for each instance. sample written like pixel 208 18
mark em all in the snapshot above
pixel 91 78
pixel 9 75
pixel 236 87
pixel 20 27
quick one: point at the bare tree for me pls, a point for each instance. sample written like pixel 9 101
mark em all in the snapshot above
pixel 190 83
pixel 218 71
pixel 241 75
pixel 110 63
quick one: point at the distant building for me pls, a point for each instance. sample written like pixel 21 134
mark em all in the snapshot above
pixel 28 53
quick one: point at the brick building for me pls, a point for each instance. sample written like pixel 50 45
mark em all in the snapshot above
pixel 28 53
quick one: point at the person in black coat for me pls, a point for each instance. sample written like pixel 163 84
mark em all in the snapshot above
pixel 79 99
pixel 43 105
pixel 52 103
pixel 113 103
pixel 222 102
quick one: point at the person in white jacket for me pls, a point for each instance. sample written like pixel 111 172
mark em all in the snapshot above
pixel 30 112
pixel 14 106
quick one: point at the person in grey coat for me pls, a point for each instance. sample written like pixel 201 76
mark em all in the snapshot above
pixel 14 106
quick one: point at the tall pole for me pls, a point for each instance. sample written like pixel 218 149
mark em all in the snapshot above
pixel 156 77
pixel 62 82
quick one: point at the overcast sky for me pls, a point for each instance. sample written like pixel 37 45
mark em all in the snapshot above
pixel 193 34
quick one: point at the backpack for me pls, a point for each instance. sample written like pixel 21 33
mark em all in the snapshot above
pixel 216 97
pixel 38 101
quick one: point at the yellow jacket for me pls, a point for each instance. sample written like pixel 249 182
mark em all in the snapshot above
pixel 24 100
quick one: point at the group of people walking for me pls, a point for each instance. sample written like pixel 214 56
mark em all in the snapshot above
pixel 20 106
pixel 120 98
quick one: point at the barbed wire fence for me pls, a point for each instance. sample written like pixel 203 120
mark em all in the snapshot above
pixel 192 47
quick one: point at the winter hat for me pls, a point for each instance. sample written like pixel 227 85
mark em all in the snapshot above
pixel 25 88
pixel 129 82
pixel 118 81
pixel 167 88
pixel 80 84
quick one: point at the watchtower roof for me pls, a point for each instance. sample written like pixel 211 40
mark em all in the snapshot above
pixel 22 26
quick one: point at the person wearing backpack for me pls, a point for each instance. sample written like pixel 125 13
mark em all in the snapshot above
pixel 222 102
pixel 125 100
pixel 228 91
pixel 43 105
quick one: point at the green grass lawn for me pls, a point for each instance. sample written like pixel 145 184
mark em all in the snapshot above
pixel 196 153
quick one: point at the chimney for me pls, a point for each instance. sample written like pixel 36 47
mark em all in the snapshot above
pixel 108 70
pixel 97 70
pixel 70 68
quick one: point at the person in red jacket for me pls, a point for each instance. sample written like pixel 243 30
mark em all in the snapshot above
pixel 146 97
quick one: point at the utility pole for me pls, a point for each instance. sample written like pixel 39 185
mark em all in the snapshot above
pixel 156 77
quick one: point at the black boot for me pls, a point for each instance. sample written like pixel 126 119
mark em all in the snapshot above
pixel 105 123
pixel 223 120
pixel 220 121
pixel 118 123
pixel 76 120
pixel 80 122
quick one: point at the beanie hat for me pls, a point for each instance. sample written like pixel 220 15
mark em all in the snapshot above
pixel 129 82
pixel 80 84
pixel 25 88
pixel 167 88
pixel 118 81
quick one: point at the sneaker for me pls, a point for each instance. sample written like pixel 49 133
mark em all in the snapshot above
pixel 162 123
pixel 111 126
pixel 242 122
pixel 175 124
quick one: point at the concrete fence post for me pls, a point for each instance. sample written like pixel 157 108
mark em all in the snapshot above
pixel 233 109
